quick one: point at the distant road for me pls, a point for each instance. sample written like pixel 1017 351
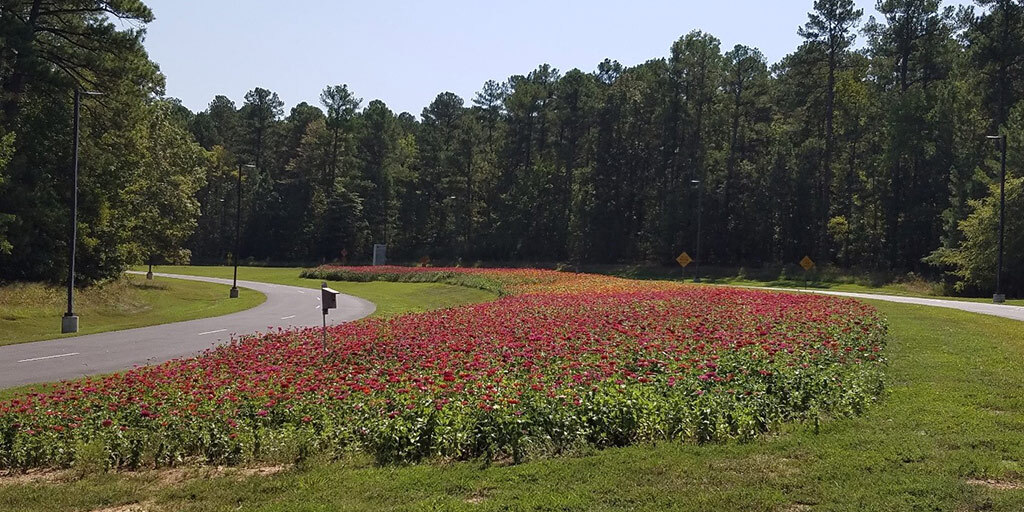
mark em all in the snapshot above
pixel 984 308
pixel 69 358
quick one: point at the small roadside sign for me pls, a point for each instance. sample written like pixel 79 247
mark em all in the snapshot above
pixel 807 263
pixel 380 254
pixel 684 260
pixel 328 301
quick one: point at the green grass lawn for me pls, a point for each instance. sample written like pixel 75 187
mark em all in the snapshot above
pixel 390 298
pixel 947 436
pixel 32 311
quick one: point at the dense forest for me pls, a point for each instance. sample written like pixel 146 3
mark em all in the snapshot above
pixel 866 147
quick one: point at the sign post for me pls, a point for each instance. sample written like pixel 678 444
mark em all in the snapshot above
pixel 684 259
pixel 807 263
pixel 328 301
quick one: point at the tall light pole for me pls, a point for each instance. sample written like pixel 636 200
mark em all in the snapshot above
pixel 999 297
pixel 696 260
pixel 238 228
pixel 69 323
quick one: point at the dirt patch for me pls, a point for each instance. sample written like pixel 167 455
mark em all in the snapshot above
pixel 260 471
pixel 479 496
pixel 1002 485
pixel 995 410
pixel 797 507
pixel 168 477
pixel 132 507
pixel 33 476
pixel 163 477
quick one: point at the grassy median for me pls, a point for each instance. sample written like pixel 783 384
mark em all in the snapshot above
pixel 32 311
pixel 390 298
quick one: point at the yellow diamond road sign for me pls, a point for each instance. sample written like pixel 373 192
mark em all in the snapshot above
pixel 684 259
pixel 807 263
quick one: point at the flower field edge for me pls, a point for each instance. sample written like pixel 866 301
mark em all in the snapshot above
pixel 559 362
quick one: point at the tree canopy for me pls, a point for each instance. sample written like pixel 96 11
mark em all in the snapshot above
pixel 864 147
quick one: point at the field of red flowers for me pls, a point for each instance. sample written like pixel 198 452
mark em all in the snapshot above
pixel 561 361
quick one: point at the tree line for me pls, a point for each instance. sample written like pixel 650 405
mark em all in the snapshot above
pixel 865 147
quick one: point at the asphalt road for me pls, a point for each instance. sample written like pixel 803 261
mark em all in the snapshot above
pixel 286 306
pixel 69 358
pixel 984 308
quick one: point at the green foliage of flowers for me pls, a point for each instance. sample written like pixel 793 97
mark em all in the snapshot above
pixel 562 361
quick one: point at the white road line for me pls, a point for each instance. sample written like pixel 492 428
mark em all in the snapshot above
pixel 300 291
pixel 287 317
pixel 48 357
pixel 211 332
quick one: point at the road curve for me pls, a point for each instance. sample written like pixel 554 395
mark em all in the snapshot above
pixel 286 306
pixel 984 308
pixel 69 358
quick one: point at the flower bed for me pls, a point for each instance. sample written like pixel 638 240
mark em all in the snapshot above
pixel 561 361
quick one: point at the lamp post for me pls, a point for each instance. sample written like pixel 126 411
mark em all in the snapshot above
pixel 238 226
pixel 69 323
pixel 999 297
pixel 696 260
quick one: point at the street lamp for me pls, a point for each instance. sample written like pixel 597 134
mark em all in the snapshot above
pixel 238 224
pixel 69 323
pixel 999 297
pixel 696 260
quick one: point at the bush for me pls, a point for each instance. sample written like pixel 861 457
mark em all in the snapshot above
pixel 974 260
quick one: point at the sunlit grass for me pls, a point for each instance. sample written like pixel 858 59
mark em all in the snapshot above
pixel 390 298
pixel 32 311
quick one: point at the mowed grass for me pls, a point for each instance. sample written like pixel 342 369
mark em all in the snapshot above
pixel 390 298
pixel 32 311
pixel 947 436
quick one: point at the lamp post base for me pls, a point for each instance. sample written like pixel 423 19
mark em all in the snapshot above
pixel 69 324
pixel 234 292
pixel 999 298
pixel 149 275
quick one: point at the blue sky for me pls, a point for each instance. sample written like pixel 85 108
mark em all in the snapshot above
pixel 406 52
